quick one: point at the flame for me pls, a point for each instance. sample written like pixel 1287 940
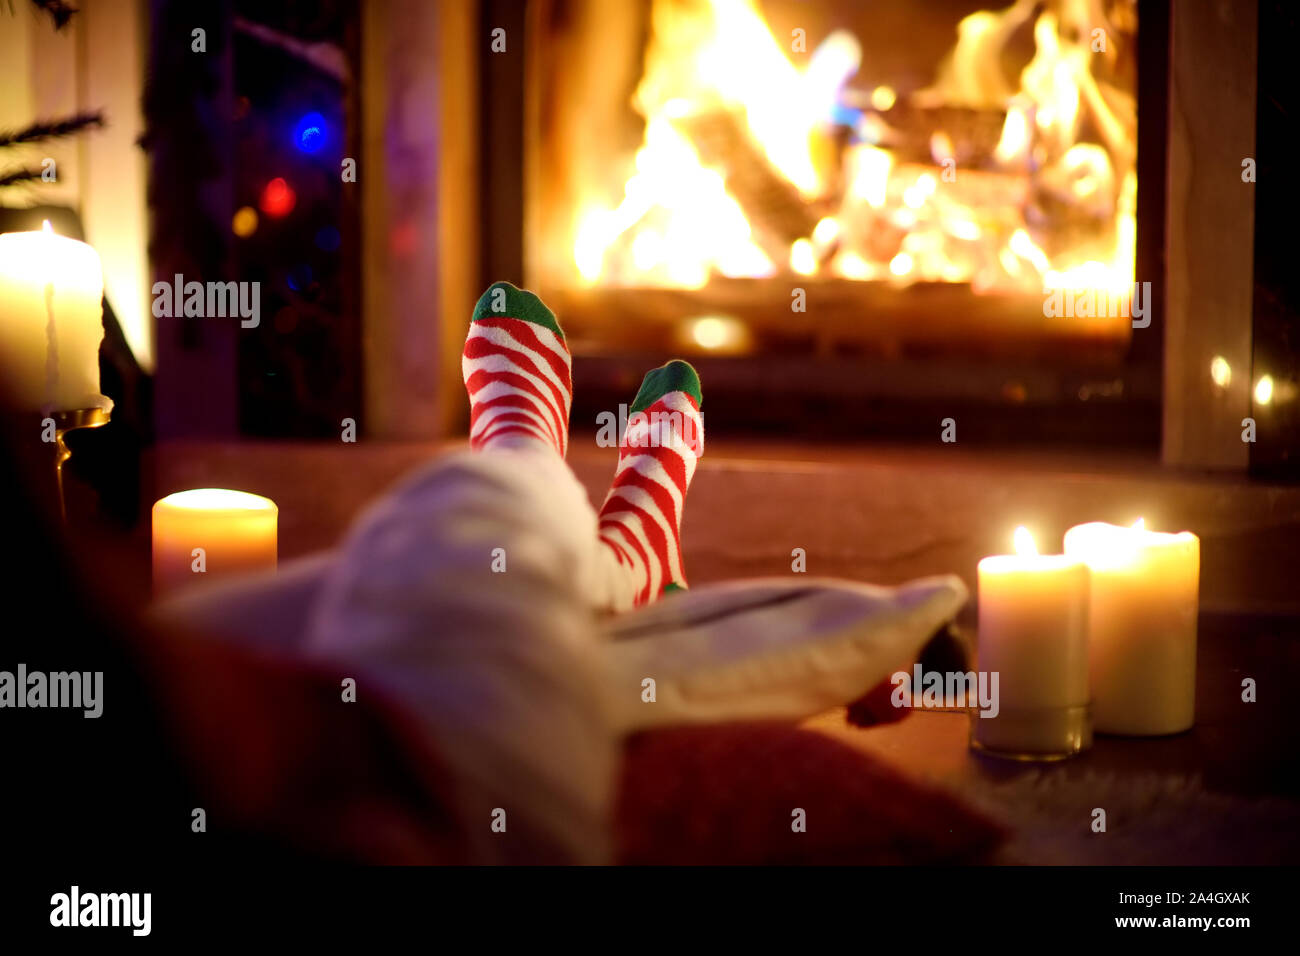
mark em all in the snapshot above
pixel 869 170
pixel 1220 372
pixel 704 227
pixel 1013 145
pixel 1105 546
pixel 743 64
pixel 1051 206
pixel 1264 390
pixel 826 232
pixel 802 258
pixel 1024 542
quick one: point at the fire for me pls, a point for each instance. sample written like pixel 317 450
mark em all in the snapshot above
pixel 759 161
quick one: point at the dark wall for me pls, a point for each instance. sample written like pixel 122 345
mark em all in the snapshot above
pixel 1276 452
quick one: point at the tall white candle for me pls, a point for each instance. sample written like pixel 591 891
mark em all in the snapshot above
pixel 1033 635
pixel 1142 626
pixel 51 321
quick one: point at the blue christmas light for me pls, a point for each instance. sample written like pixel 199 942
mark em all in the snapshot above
pixel 328 239
pixel 309 134
pixel 300 277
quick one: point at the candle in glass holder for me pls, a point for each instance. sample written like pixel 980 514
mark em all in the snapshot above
pixel 51 321
pixel 211 532
pixel 1142 626
pixel 1033 634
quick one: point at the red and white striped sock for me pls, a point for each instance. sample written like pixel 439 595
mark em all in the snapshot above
pixel 516 368
pixel 641 519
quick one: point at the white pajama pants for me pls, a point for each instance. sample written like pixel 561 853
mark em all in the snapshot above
pixel 500 664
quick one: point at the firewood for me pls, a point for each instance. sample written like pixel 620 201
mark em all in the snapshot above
pixel 771 203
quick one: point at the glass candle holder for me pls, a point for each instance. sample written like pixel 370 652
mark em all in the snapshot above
pixel 1033 644
pixel 1036 733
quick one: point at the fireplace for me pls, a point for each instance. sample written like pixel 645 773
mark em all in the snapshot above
pixel 895 209
pixel 857 220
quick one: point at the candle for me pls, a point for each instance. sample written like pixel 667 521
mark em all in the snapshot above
pixel 1033 634
pixel 51 321
pixel 1142 626
pixel 211 532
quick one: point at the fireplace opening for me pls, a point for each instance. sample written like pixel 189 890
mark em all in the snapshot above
pixel 884 211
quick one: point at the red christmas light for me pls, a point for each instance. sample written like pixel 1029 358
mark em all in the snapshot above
pixel 278 198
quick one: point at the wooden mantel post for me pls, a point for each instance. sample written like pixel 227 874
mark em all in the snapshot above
pixel 419 237
pixel 1211 221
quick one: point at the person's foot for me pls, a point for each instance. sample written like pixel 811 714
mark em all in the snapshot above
pixel 641 519
pixel 516 368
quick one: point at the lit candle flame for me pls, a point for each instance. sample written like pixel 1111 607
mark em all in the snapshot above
pixel 1140 524
pixel 1024 541
pixel 46 227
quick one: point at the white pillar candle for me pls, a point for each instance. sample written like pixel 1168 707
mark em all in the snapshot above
pixel 1142 626
pixel 211 532
pixel 51 321
pixel 1033 635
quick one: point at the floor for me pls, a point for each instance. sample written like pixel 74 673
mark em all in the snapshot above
pixel 1227 791
pixel 867 513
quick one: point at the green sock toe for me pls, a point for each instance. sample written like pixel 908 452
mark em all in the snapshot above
pixel 675 376
pixel 505 301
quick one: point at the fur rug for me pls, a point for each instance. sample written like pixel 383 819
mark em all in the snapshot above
pixel 1150 820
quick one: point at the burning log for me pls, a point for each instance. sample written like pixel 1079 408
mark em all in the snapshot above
pixel 772 204
pixel 907 127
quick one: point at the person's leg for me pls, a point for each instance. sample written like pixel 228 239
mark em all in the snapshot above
pixel 516 367
pixel 467 593
pixel 462 594
pixel 641 518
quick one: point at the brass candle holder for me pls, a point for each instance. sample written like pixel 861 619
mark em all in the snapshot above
pixel 64 422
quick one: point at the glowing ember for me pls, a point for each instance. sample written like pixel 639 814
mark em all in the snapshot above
pixel 757 162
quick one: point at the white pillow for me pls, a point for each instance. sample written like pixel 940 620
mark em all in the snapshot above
pixel 770 648
pixel 775 648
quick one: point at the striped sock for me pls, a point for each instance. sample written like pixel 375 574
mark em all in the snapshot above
pixel 641 519
pixel 517 371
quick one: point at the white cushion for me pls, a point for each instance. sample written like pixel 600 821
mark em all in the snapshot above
pixel 774 648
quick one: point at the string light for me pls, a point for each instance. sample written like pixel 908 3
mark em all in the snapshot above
pixel 309 134
pixel 244 222
pixel 278 198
